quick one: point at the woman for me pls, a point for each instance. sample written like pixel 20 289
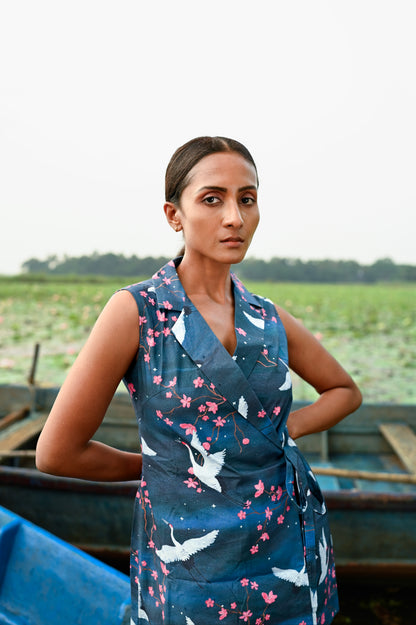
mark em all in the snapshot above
pixel 229 522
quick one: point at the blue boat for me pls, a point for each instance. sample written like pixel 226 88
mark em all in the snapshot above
pixel 46 581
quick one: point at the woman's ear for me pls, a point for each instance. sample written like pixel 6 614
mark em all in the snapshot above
pixel 172 215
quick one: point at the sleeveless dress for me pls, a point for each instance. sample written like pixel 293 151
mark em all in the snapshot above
pixel 229 522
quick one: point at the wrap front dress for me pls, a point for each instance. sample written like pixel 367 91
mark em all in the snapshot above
pixel 229 522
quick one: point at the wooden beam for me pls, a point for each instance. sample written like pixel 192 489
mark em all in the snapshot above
pixel 14 416
pixel 403 440
pixel 14 437
pixel 352 474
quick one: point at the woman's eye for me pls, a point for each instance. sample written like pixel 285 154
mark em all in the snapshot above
pixel 211 199
pixel 248 200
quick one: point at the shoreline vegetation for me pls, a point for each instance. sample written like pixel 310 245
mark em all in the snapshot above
pixel 273 270
pixel 370 328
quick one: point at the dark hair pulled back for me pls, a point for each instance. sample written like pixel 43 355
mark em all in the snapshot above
pixel 189 154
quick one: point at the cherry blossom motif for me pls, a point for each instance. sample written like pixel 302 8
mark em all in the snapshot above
pixel 186 401
pixel 241 331
pixel 212 406
pixel 210 603
pixel 198 382
pixel 269 598
pixel 259 489
pixel 246 615
pixel 131 389
pixel 157 379
pixel 223 613
pixel 219 422
pixel 188 427
pixel 261 414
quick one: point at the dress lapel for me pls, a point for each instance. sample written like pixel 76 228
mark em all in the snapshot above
pixel 208 353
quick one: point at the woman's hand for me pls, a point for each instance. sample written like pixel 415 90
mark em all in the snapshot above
pixel 339 395
pixel 65 446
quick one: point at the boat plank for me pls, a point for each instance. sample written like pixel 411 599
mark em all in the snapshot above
pixel 12 438
pixel 403 441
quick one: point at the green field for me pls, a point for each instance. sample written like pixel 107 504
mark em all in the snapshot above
pixel 371 329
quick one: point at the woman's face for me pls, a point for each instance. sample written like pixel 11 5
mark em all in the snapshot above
pixel 218 210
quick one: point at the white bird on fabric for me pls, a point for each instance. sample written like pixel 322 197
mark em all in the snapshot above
pixel 189 621
pixel 183 552
pixel 299 578
pixel 288 380
pixel 324 557
pixel 212 465
pixel 146 449
pixel 259 323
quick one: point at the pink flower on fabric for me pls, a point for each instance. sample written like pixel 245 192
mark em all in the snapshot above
pixel 241 515
pixel 254 549
pixel 322 619
pixel 276 410
pixel 233 606
pixel 268 513
pixel 168 394
pixel 161 315
pixel 164 569
pixel 185 401
pixel 151 591
pixel 166 331
pixel 168 421
pixel 223 613
pixel 142 319
pixel 189 428
pixel 241 331
pixel 157 379
pixel 206 445
pixel 210 603
pixel 254 585
pixel 147 357
pixel 264 536
pixel 159 414
pixel 202 407
pixel 261 414
pixel 259 489
pixel 154 574
pixel 167 304
pixel 269 598
pixel 151 301
pixel 198 382
pixel 245 441
pixel 219 422
pixel 244 581
pixel 191 483
pixel 150 341
pixel 166 280
pixel 131 388
pixel 280 519
pixel 212 406
pixel 246 615
pixel 247 503
pixel 172 382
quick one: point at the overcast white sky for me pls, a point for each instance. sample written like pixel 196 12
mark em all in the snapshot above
pixel 96 95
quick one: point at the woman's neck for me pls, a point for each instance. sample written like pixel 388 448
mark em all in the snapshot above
pixel 206 278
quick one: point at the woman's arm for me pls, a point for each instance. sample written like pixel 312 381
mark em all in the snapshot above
pixel 338 393
pixel 65 446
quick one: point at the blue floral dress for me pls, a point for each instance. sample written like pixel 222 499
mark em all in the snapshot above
pixel 229 524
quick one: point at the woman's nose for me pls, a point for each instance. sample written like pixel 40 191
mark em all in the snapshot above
pixel 232 214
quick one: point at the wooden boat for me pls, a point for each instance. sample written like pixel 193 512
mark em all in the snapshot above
pixel 366 466
pixel 45 581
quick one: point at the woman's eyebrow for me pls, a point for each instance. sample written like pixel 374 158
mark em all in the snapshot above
pixel 251 187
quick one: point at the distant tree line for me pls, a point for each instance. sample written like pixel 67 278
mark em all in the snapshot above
pixel 274 270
